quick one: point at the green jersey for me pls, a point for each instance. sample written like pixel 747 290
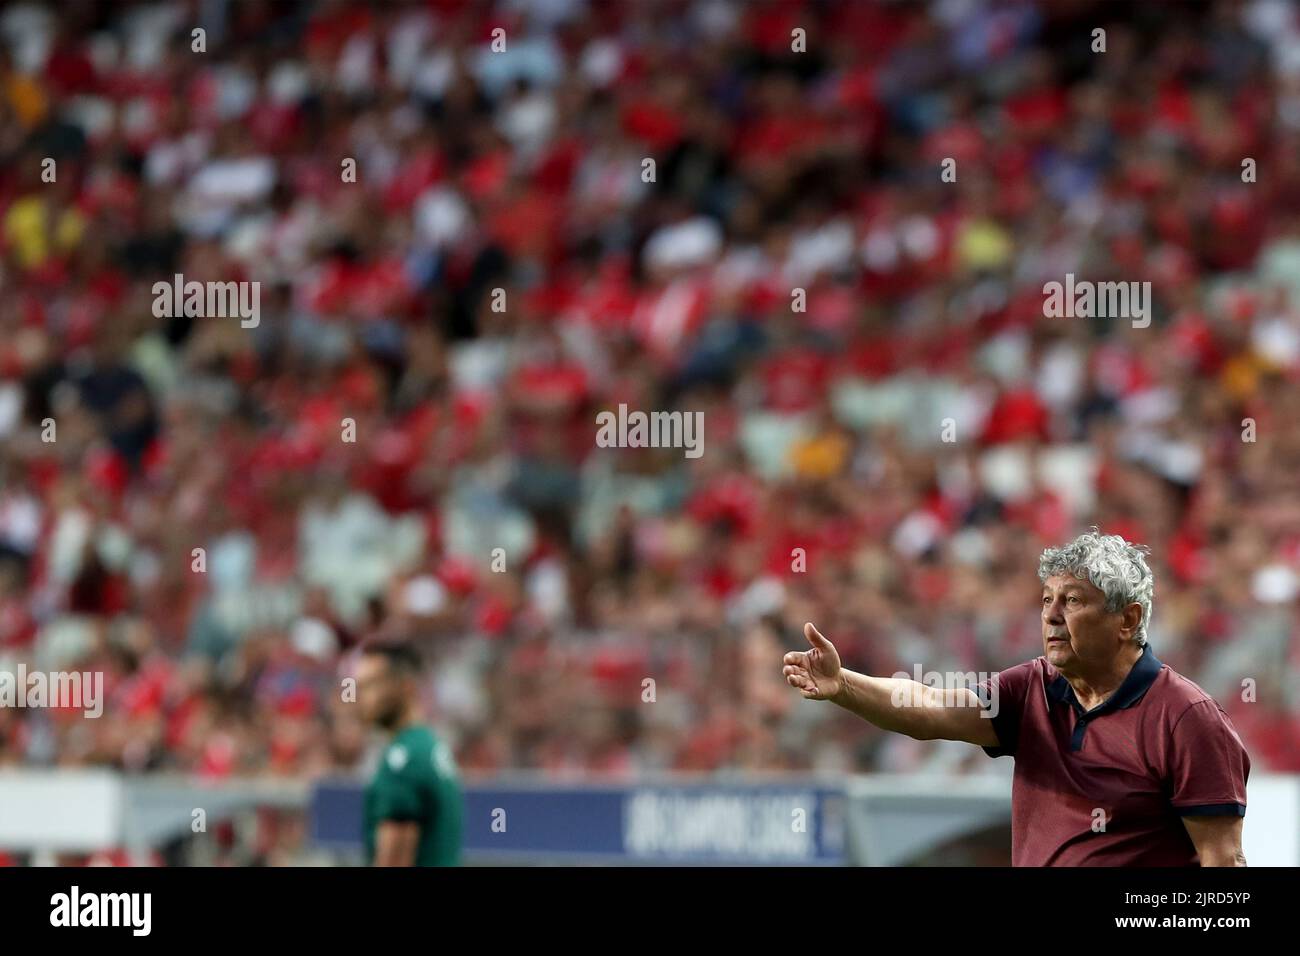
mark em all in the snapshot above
pixel 417 783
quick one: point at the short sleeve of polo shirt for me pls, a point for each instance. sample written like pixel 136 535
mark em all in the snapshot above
pixel 1207 764
pixel 1003 698
pixel 397 794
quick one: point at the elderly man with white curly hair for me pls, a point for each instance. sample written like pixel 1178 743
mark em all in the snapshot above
pixel 1119 761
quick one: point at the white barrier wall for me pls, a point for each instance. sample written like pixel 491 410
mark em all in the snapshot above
pixel 1271 834
pixel 78 811
pixel 82 811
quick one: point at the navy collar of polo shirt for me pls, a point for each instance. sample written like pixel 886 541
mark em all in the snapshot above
pixel 1139 680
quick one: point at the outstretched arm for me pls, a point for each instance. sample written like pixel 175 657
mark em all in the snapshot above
pixel 895 704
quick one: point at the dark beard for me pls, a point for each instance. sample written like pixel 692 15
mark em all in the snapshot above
pixel 390 718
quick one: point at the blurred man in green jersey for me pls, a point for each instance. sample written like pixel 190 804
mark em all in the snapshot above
pixel 413 803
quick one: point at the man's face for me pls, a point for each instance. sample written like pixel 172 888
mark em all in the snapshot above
pixel 1078 631
pixel 379 690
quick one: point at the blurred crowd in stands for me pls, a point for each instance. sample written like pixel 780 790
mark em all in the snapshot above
pixel 893 430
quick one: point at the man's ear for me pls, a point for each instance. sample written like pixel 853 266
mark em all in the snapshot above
pixel 1132 619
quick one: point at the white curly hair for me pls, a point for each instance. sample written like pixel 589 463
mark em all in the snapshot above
pixel 1118 569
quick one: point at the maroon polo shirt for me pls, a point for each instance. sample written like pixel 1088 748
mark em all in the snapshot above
pixel 1155 751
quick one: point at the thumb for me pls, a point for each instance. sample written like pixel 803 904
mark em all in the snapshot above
pixel 815 636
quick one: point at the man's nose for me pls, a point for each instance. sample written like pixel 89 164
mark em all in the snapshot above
pixel 1052 613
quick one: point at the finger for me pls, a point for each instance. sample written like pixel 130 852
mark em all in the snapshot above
pixel 794 669
pixel 798 658
pixel 796 680
pixel 815 637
